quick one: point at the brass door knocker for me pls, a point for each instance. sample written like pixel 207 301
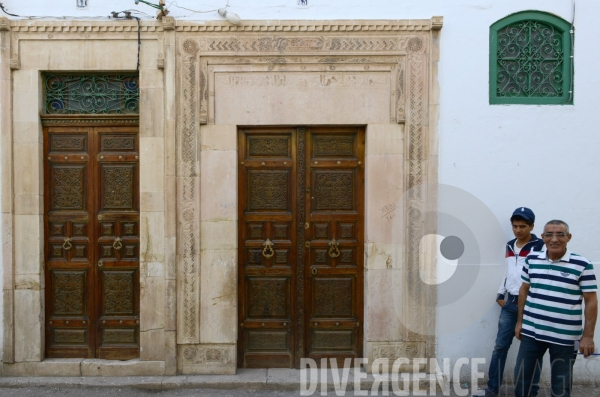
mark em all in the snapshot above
pixel 67 244
pixel 268 250
pixel 334 252
pixel 117 245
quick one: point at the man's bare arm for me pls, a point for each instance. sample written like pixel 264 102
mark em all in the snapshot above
pixel 523 291
pixel 586 345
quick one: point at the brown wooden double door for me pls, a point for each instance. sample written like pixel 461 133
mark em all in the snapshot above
pixel 301 245
pixel 91 229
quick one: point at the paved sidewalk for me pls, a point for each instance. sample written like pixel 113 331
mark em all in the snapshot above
pixel 247 382
pixel 250 379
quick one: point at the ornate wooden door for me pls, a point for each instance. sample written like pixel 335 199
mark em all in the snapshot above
pixel 334 212
pixel 267 239
pixel 300 237
pixel 91 216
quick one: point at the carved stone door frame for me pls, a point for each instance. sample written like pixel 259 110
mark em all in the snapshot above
pixel 29 50
pixel 394 63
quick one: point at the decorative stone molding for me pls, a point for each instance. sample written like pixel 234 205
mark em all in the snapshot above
pixel 80 30
pixel 188 184
pixel 257 48
pixel 391 351
pixel 168 23
pixel 417 153
pixel 206 359
pixel 395 350
pixel 160 63
pixel 201 355
pixel 327 44
pixel 15 63
pixel 84 27
pixel 88 120
pixel 437 23
pixel 4 24
pixel 308 26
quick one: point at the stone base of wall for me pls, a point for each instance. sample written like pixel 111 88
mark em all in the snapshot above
pixel 207 359
pixel 84 367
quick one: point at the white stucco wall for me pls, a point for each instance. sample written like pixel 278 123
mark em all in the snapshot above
pixel 507 156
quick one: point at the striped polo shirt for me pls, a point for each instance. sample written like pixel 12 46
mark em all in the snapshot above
pixel 553 310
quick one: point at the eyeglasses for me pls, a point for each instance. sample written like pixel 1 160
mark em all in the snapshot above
pixel 558 235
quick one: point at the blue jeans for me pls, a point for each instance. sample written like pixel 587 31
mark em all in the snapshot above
pixel 529 366
pixel 504 338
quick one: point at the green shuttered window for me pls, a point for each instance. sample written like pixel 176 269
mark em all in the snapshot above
pixel 531 60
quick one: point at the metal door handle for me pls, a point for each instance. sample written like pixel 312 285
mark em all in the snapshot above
pixel 67 244
pixel 334 252
pixel 117 245
pixel 268 250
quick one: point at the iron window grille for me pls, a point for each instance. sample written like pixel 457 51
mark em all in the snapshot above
pixel 91 93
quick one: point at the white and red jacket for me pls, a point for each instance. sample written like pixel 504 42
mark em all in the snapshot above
pixel 514 265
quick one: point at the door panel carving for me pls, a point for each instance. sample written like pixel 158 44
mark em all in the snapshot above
pixel 69 292
pixel 301 245
pixel 333 297
pixel 118 293
pixel 333 190
pixel 68 187
pixel 269 190
pixel 118 187
pixel 268 297
pixel 92 242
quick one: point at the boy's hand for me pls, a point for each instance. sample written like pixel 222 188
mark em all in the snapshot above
pixel 501 302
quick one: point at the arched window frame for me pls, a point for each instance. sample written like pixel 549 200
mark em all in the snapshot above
pixel 564 27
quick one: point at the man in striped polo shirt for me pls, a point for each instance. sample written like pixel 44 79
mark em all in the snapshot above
pixel 550 313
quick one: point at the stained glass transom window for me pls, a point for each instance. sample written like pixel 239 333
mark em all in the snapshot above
pixel 92 93
pixel 530 60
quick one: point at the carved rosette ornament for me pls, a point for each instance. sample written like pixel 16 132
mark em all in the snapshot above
pixel 395 350
pixel 4 24
pixel 206 355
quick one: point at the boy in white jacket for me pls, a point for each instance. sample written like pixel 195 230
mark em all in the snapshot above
pixel 517 249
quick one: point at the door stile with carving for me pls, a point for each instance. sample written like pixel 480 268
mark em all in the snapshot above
pixel 300 246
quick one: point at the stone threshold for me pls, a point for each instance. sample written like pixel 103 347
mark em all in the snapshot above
pixel 77 367
pixel 252 379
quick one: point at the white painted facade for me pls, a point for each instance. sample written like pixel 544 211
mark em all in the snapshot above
pixel 543 157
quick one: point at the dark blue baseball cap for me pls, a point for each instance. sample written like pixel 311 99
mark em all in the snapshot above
pixel 525 213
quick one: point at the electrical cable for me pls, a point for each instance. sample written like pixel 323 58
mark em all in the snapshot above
pixel 139 44
pixel 67 17
pixel 139 31
pixel 194 11
pixel 7 13
pixel 50 17
pixel 140 12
